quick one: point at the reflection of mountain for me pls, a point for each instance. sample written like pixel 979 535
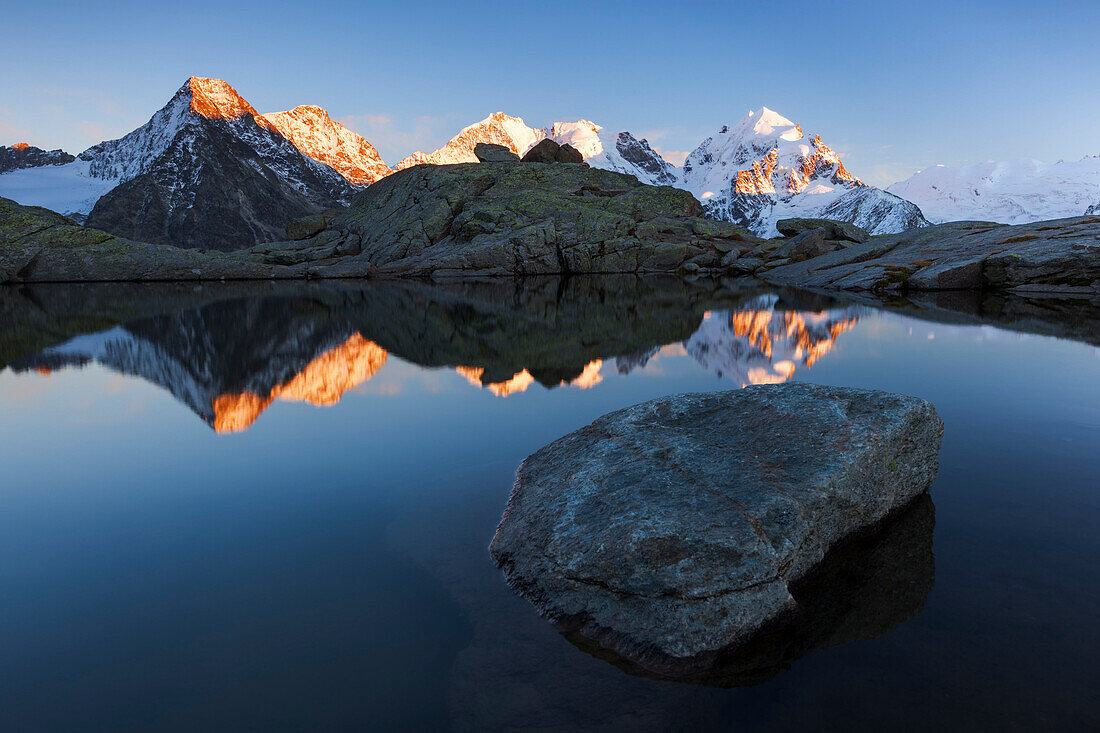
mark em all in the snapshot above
pixel 861 591
pixel 763 342
pixel 229 361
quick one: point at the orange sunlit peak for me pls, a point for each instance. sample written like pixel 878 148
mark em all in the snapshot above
pixel 20 146
pixel 217 100
pixel 590 376
pixel 322 382
pixel 519 382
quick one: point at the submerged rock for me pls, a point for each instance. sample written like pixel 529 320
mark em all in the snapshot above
pixel 670 532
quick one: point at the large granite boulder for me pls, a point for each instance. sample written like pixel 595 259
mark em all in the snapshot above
pixel 492 153
pixel 544 151
pixel 670 532
pixel 839 230
pixel 1058 256
pixel 811 243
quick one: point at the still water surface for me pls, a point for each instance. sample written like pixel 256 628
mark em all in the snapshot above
pixel 272 511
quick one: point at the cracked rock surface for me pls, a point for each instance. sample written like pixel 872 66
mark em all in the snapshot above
pixel 670 531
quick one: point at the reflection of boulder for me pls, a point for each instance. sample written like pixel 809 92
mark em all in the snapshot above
pixel 861 591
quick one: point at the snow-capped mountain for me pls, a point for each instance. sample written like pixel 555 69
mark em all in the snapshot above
pixel 754 173
pixel 765 168
pixel 498 128
pixel 208 171
pixel 320 137
pixel 620 151
pixel 1010 192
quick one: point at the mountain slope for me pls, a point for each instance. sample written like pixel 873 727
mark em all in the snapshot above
pixel 208 171
pixel 318 136
pixel 763 169
pixel 1008 192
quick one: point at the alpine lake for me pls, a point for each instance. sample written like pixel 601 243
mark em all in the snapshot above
pixel 267 506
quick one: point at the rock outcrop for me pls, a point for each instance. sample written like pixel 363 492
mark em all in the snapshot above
pixel 515 219
pixel 1061 256
pixel 22 155
pixel 670 532
pixel 38 245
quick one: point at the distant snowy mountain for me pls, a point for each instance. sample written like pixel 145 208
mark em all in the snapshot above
pixel 620 151
pixel 1010 192
pixel 24 155
pixel 208 171
pixel 317 135
pixel 754 173
pixel 764 169
pixel 498 129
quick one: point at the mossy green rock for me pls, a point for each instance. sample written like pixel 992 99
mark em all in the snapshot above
pixel 516 219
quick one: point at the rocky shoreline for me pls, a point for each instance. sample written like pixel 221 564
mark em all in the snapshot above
pixel 541 216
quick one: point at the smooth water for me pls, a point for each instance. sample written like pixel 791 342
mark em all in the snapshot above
pixel 270 510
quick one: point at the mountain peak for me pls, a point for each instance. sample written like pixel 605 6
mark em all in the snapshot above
pixel 216 99
pixel 767 122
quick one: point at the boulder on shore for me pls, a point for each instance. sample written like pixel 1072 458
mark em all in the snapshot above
pixel 833 229
pixel 493 153
pixel 669 532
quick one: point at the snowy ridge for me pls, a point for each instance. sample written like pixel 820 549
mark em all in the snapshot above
pixel 1009 192
pixel 319 137
pixel 498 129
pixel 620 152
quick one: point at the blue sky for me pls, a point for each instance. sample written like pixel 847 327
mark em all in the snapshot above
pixel 894 87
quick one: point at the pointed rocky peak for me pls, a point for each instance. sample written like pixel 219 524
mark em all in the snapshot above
pixel 318 136
pixel 215 99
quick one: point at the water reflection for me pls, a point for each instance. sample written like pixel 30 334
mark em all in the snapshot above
pixel 230 359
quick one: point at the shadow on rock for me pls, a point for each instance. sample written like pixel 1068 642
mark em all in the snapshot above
pixel 862 590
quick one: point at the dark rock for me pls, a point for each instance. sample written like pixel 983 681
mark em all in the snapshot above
pixel 22 155
pixel 568 154
pixel 812 243
pixel 544 151
pixel 305 227
pixel 862 590
pixel 1060 256
pixel 670 532
pixel 490 153
pixel 842 230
